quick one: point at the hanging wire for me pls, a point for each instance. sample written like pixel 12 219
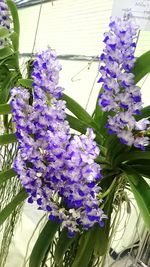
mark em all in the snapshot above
pixel 92 88
pixel 35 36
pixel 39 227
pixel 37 27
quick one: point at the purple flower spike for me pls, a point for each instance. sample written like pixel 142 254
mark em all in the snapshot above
pixel 120 95
pixel 51 164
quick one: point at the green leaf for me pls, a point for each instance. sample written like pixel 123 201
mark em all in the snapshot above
pixel 77 110
pixel 103 121
pixel 4 33
pixel 98 114
pixel 5 52
pixel 7 139
pixel 14 13
pixel 102 234
pixel 143 170
pixel 85 249
pixel 7 84
pixel 44 240
pixel 15 41
pixel 62 245
pixel 16 26
pixel 6 175
pixel 4 214
pixel 27 83
pixel 145 113
pixel 81 127
pixel 82 115
pixel 141 191
pixel 142 66
pixel 5 87
pixel 3 74
pixel 5 109
pixel 111 143
pixel 115 148
pixel 77 124
pixel 135 155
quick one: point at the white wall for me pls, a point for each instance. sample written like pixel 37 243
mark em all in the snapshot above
pixel 74 27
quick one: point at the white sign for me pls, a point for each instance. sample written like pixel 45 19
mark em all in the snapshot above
pixel 140 10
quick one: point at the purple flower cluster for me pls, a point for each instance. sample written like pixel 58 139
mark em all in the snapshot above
pixel 119 93
pixel 5 21
pixel 57 170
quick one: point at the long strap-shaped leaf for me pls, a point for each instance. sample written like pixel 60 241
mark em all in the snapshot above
pixel 141 191
pixel 81 127
pixel 143 170
pixel 135 155
pixel 142 66
pixel 7 139
pixel 5 52
pixel 5 175
pixel 145 113
pixel 79 112
pixel 22 195
pixel 44 240
pixel 14 13
pixel 5 109
pixel 15 34
pixel 102 233
pixel 62 246
pixel 85 249
pixel 77 124
pixel 76 109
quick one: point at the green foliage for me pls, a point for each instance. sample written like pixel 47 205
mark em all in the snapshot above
pixel 142 66
pixel 103 233
pixel 6 212
pixel 77 110
pixel 145 113
pixel 5 109
pixel 142 169
pixel 77 124
pixel 84 119
pixel 141 191
pixel 85 249
pixel 4 33
pixel 16 24
pixel 27 83
pixel 5 175
pixel 7 139
pixel 63 245
pixel 6 86
pixel 133 155
pixel 5 52
pixel 42 244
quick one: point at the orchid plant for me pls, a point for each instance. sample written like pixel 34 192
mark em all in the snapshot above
pixel 74 177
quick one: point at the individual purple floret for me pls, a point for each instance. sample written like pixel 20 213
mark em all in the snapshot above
pixel 5 22
pixel 119 93
pixel 57 170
